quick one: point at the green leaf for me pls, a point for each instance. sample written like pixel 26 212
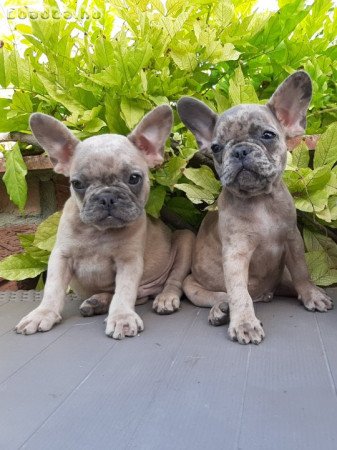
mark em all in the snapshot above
pixel 196 194
pixel 185 60
pixel 156 201
pixel 326 149
pixel 21 102
pixel 132 112
pixel 94 125
pixel 170 172
pixel 318 265
pixel 185 209
pixel 300 156
pixel 4 75
pixel 312 202
pixel 317 179
pixel 223 12
pixel 45 235
pixel 27 242
pixel 15 177
pixel 20 266
pixel 318 242
pixel 204 177
pixel 241 90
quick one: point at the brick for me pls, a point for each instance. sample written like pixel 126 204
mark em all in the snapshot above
pixel 32 207
pixel 9 245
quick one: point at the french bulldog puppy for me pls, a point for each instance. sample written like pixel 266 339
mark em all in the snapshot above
pixel 107 249
pixel 250 249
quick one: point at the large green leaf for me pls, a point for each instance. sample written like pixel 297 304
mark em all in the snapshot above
pixel 20 267
pixel 185 209
pixel 204 177
pixel 318 264
pixel 195 193
pixel 326 149
pixel 156 201
pixel 300 156
pixel 170 172
pixel 15 176
pixel 45 235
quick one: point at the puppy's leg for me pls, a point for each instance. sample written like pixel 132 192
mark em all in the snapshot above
pixel 218 301
pixel 96 304
pixel 312 297
pixel 244 325
pixel 286 287
pixel 168 300
pixel 48 313
pixel 142 300
pixel 122 319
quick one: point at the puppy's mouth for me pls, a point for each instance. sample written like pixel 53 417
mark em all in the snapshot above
pixel 248 180
pixel 251 175
pixel 110 211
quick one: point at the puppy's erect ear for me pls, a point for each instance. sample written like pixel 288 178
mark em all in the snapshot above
pixel 198 118
pixel 55 139
pixel 290 102
pixel 151 133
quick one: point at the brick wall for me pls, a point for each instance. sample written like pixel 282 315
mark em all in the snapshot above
pixel 47 193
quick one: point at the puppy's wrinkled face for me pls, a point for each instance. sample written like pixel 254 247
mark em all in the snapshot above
pixel 110 191
pixel 249 150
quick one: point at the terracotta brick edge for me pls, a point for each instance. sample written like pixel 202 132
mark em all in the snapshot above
pixel 36 162
pixel 309 140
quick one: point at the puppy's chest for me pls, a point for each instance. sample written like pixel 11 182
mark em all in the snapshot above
pixel 93 259
pixel 270 226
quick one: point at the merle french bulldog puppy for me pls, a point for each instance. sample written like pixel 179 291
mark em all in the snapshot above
pixel 250 249
pixel 107 249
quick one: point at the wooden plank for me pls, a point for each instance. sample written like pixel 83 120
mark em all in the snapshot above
pixel 198 405
pixel 32 393
pixel 179 384
pixel 17 349
pixel 105 409
pixel 289 401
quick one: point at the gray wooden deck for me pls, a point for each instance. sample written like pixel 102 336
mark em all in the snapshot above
pixel 181 384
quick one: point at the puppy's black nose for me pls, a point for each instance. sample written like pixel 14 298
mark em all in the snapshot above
pixel 106 199
pixel 241 151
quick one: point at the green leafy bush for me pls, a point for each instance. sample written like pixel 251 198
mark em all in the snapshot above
pixel 100 67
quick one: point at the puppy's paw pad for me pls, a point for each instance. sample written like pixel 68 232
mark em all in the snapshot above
pixel 120 325
pixel 95 305
pixel 219 314
pixel 166 303
pixel 246 332
pixel 38 320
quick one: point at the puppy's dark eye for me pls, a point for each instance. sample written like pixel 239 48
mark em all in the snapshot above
pixel 77 185
pixel 135 178
pixel 268 135
pixel 216 148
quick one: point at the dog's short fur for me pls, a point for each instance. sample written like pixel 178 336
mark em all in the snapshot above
pixel 106 246
pixel 248 250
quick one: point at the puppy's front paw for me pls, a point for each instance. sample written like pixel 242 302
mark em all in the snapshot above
pixel 38 320
pixel 315 299
pixel 166 303
pixel 246 331
pixel 219 314
pixel 120 324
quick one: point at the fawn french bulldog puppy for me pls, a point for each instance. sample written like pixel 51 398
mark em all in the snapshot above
pixel 107 249
pixel 250 249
